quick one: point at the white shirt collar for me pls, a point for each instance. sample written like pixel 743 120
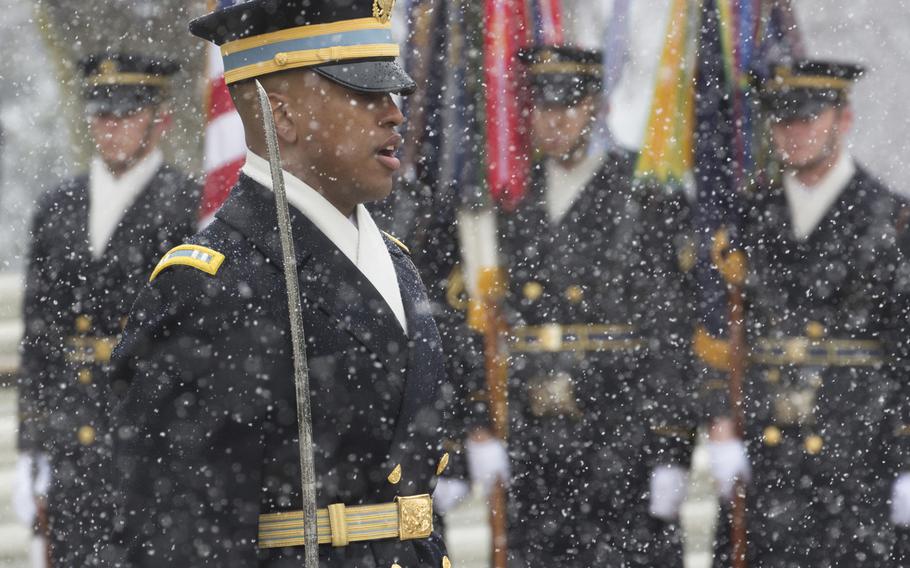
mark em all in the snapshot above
pixel 357 237
pixel 809 205
pixel 110 197
pixel 564 185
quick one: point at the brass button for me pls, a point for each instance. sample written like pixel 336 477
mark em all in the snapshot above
pixel 281 59
pixel 85 376
pixel 395 476
pixel 772 375
pixel 815 330
pixel 772 436
pixel 814 444
pixel 532 290
pixel 103 350
pixel 446 563
pixel 86 435
pixel 443 463
pixel 575 294
pixel 83 324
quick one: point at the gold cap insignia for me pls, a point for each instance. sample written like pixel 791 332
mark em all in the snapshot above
pixel 382 10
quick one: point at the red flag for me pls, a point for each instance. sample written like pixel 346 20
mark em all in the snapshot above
pixel 506 31
pixel 225 146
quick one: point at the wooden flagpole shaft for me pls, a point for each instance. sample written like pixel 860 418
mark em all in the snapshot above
pixel 737 376
pixel 496 367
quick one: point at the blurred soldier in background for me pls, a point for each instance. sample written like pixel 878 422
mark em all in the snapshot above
pixel 598 446
pixel 826 312
pixel 95 240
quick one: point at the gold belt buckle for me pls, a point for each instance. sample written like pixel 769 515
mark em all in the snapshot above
pixel 415 516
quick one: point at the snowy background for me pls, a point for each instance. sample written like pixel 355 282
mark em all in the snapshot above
pixel 42 133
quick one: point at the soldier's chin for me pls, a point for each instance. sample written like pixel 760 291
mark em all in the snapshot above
pixel 116 161
pixel 375 189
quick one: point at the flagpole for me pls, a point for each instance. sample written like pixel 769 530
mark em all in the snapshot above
pixel 485 281
pixel 738 350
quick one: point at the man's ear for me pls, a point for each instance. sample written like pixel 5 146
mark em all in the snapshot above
pixel 285 121
pixel 845 119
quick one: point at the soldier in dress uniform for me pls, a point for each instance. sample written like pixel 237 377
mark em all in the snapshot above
pixel 207 443
pixel 94 240
pixel 826 326
pixel 596 355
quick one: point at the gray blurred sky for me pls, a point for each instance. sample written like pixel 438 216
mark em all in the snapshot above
pixel 37 142
pixel 873 32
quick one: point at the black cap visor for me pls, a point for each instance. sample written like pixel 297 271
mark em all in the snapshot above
pixel 120 100
pixel 563 90
pixel 370 76
pixel 800 104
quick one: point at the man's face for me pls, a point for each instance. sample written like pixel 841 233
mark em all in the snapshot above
pixel 558 131
pixel 119 140
pixel 347 140
pixel 803 143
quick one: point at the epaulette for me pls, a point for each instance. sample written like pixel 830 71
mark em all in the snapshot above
pixel 199 257
pixel 400 244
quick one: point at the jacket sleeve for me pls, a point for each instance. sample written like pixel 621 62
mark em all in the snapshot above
pixel 188 441
pixel 35 348
pixel 892 270
pixel 665 323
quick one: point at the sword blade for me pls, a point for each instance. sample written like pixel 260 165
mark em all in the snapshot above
pixel 301 372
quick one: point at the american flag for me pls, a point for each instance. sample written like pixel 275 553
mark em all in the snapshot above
pixel 225 147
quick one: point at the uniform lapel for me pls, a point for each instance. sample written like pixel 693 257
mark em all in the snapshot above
pixel 328 279
pixel 424 354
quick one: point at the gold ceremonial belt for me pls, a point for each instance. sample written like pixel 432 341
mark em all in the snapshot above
pixel 86 350
pixel 406 518
pixel 554 337
pixel 804 351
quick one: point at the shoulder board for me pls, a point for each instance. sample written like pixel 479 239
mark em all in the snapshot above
pixel 398 243
pixel 199 257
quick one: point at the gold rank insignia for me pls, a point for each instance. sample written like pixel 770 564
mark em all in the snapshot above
pixel 382 10
pixel 201 258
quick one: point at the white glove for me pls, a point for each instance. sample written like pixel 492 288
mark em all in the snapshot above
pixel 449 493
pixel 488 462
pixel 29 485
pixel 900 500
pixel 729 463
pixel 669 485
pixel 37 552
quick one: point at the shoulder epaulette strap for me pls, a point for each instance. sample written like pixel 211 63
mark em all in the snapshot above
pixel 199 257
pixel 400 244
